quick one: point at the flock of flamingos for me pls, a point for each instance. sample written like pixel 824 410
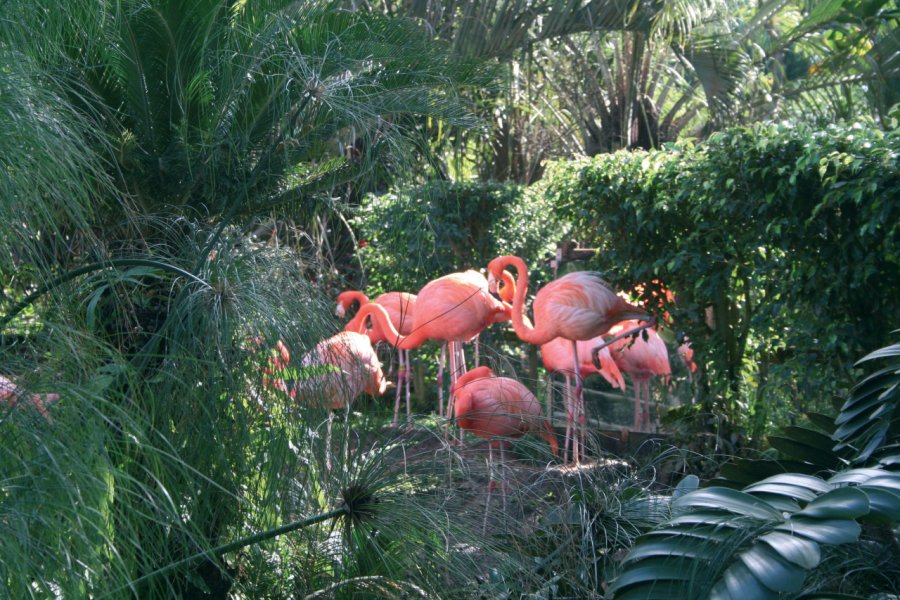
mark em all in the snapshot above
pixel 570 317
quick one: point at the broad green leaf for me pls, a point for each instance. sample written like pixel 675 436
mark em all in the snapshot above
pixel 825 532
pixel 653 569
pixel 822 421
pixel 711 533
pixel 686 485
pixel 803 451
pixel 884 505
pixel 801 552
pixel 841 503
pixel 805 481
pixel 729 500
pixel 892 350
pixel 658 590
pixel 738 583
pixel 857 476
pixel 717 519
pixel 890 481
pixel 675 546
pixel 780 502
pixel 810 437
pixel 772 570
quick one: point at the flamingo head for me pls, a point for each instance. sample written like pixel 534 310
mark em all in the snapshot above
pixel 344 301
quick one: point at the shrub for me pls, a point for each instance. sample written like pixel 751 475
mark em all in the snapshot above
pixel 780 242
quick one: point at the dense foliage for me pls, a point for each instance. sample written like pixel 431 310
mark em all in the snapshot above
pixel 415 235
pixel 780 243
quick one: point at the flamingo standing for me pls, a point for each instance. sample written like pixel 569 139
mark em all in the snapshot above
pixel 452 308
pixel 11 394
pixel 557 357
pixel 347 366
pixel 498 407
pixel 577 306
pixel 399 306
pixel 642 360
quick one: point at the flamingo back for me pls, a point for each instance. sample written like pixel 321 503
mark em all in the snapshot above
pixel 490 406
pixel 351 368
pixel 581 306
pixel 457 307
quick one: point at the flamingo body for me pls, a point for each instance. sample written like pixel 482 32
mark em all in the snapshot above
pixel 354 369
pixel 642 360
pixel 557 357
pixel 452 308
pixel 11 394
pixel 491 406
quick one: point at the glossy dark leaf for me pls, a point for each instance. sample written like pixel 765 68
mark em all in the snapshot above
pixel 796 449
pixel 825 532
pixel 772 570
pixel 802 552
pixel 728 500
pixel 738 583
pixel 840 503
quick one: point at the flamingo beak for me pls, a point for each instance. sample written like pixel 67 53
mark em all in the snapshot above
pixel 339 310
pixel 492 283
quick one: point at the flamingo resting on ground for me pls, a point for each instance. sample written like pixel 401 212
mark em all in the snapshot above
pixel 452 308
pixel 642 360
pixel 11 395
pixel 399 306
pixel 577 306
pixel 557 357
pixel 347 366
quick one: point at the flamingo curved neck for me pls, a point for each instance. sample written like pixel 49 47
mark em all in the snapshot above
pixel 522 326
pixel 346 299
pixel 349 297
pixel 382 321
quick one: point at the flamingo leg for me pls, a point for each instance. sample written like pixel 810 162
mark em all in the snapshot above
pixel 440 380
pixel 328 441
pixel 487 501
pixel 400 375
pixel 476 351
pixel 567 399
pixel 503 475
pixel 452 358
pixel 579 402
pixel 549 408
pixel 408 377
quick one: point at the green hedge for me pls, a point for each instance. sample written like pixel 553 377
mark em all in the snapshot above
pixel 413 236
pixel 791 234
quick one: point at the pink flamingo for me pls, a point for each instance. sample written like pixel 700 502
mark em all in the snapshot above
pixel 686 354
pixel 11 394
pixel 348 366
pixel 452 308
pixel 577 306
pixel 498 407
pixel 491 407
pixel 557 357
pixel 642 360
pixel 399 306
